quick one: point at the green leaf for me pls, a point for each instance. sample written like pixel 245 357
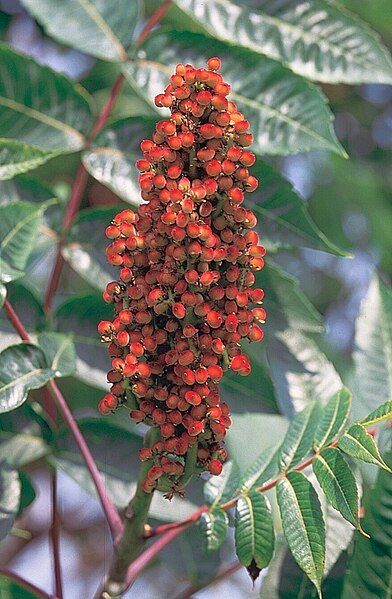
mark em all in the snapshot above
pixel 16 158
pixel 59 351
pixel 338 483
pixel 119 468
pixel 299 437
pixel 288 114
pixel 112 159
pixel 303 524
pixel 85 246
pixel 384 412
pixel 288 306
pixel 19 450
pixel 9 498
pixel 318 40
pixel 100 28
pixel 214 526
pixel 333 419
pixel 19 223
pixel 373 347
pixel 22 367
pixel 370 568
pixel 79 316
pixel 286 222
pixel 27 494
pixel 261 470
pixel 57 120
pixel 358 443
pixel 250 436
pixel 254 530
pixel 16 588
pixel 300 371
pixel 219 489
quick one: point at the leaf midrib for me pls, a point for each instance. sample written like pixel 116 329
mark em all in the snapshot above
pixel 14 231
pixel 321 458
pixel 306 35
pixel 296 502
pixel 95 16
pixel 41 117
pixel 17 381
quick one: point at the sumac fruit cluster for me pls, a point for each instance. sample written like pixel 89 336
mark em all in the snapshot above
pixel 185 298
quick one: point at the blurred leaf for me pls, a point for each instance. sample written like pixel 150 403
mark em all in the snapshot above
pixel 333 419
pixel 338 483
pixel 189 560
pixel 288 114
pixel 303 524
pixel 370 569
pixel 251 393
pixel 298 441
pixel 10 488
pixel 40 107
pixel 25 188
pixel 318 40
pixel 384 412
pixel 254 530
pixel 373 347
pixel 112 159
pixel 3 294
pixel 285 221
pixel 250 435
pixel 11 588
pixel 16 158
pixel 287 305
pixel 18 450
pixel 24 302
pixel 80 316
pixel 261 470
pixel 22 367
pixel 300 371
pixel 27 495
pixel 119 468
pixel 100 28
pixel 18 232
pixel 219 489
pixel 59 351
pixel 358 443
pixel 214 526
pixel 85 246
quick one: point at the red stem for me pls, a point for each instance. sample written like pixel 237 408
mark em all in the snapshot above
pixel 113 518
pixel 15 321
pixel 80 181
pixel 152 21
pixel 55 537
pixel 151 552
pixel 28 585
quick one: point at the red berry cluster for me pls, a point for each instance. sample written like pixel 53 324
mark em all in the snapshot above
pixel 184 298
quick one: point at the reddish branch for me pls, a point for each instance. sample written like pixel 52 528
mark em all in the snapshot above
pixel 27 585
pixel 113 518
pixel 79 184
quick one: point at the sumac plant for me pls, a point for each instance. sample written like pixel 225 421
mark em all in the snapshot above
pixel 164 158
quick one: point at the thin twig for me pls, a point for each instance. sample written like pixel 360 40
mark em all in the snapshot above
pixel 113 518
pixel 55 536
